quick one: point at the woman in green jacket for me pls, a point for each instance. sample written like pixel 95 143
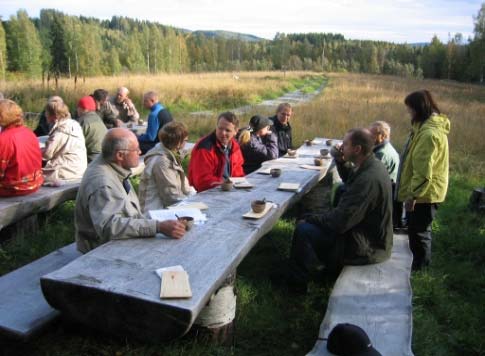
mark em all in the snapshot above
pixel 423 178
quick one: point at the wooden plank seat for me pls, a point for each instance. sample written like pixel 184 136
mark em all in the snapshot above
pixel 15 209
pixel 378 299
pixel 23 310
pixel 114 287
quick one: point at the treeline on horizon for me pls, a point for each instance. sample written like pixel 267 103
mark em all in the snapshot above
pixel 59 45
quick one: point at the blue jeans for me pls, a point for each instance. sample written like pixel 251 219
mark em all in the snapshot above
pixel 312 245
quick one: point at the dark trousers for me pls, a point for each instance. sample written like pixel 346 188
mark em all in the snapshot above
pixel 419 232
pixel 311 246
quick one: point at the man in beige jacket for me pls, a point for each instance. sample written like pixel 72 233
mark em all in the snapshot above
pixel 107 207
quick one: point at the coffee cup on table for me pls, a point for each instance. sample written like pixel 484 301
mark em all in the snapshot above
pixel 227 185
pixel 318 161
pixel 188 221
pixel 275 172
pixel 258 206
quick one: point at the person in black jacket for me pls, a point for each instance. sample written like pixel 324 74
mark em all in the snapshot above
pixel 358 231
pixel 43 127
pixel 282 127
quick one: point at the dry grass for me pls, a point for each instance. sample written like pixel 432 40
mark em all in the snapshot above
pixel 193 92
pixel 356 100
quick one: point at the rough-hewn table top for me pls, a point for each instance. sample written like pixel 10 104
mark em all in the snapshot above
pixel 114 287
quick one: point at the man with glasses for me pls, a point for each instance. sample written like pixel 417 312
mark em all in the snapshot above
pixel 217 156
pixel 107 207
pixel 282 128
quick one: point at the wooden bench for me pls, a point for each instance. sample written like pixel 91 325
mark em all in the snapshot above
pixel 23 310
pixel 378 299
pixel 17 209
pixel 114 287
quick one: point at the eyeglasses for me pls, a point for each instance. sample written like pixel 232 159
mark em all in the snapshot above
pixel 130 149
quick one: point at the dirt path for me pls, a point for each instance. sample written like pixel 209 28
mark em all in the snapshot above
pixel 294 98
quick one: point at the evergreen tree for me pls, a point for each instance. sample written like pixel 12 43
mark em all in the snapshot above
pixel 3 52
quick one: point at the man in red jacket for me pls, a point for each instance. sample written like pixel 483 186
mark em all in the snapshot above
pixel 216 156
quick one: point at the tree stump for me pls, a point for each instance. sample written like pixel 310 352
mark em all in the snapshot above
pixel 477 200
pixel 215 323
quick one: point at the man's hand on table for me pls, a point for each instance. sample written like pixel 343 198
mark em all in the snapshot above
pixel 172 228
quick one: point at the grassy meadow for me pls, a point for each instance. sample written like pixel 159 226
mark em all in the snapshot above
pixel 448 297
pixel 181 93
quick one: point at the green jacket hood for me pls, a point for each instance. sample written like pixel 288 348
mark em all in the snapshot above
pixel 435 122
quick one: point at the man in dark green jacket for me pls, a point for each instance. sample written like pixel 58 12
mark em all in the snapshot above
pixel 358 231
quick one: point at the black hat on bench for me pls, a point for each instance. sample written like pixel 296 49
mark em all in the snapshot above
pixel 350 340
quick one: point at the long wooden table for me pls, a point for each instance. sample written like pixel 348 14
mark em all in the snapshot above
pixel 114 287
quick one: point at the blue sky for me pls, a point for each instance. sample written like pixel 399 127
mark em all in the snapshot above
pixel 396 21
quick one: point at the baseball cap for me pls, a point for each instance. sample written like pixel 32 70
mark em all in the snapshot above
pixel 87 103
pixel 258 122
pixel 350 340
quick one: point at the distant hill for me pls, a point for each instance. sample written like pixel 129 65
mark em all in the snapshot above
pixel 227 35
pixel 419 44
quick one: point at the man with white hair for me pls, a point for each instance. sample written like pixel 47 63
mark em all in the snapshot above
pixel 126 109
pixel 107 207
pixel 385 152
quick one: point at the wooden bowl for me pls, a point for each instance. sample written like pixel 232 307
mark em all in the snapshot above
pixel 329 142
pixel 291 153
pixel 258 206
pixel 227 186
pixel 318 161
pixel 188 221
pixel 275 172
pixel 324 152
pixel 308 142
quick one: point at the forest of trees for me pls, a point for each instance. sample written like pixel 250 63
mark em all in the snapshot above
pixel 56 45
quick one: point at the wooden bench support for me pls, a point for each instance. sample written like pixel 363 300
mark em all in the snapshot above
pixel 378 299
pixel 27 227
pixel 23 310
pixel 215 323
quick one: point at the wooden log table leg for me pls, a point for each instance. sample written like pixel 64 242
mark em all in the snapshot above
pixel 477 199
pixel 215 323
pixel 24 228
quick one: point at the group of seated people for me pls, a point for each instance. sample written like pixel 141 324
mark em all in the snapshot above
pixel 73 143
pixel 107 207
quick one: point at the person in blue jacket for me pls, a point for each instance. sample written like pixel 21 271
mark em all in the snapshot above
pixel 157 118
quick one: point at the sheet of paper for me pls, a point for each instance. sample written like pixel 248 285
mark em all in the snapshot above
pixel 169 214
pixel 191 204
pixel 170 268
